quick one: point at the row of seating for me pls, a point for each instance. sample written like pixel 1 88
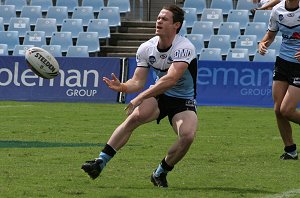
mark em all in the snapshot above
pixel 38 38
pixel 60 13
pixel 123 5
pixel 55 50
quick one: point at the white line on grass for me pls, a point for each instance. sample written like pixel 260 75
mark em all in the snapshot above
pixel 291 193
pixel 13 106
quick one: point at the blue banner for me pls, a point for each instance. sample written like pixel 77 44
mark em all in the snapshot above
pixel 80 80
pixel 228 83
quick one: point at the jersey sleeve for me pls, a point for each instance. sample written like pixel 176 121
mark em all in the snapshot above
pixel 184 52
pixel 273 26
pixel 141 56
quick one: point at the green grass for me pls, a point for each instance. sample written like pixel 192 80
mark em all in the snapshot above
pixel 235 154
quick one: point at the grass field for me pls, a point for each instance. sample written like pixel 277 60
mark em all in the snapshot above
pixel 236 154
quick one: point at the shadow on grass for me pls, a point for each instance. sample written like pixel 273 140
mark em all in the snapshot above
pixel 39 144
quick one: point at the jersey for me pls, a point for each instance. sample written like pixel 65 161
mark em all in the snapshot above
pixel 181 50
pixel 288 23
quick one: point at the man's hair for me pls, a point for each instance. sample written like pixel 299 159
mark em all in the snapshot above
pixel 178 14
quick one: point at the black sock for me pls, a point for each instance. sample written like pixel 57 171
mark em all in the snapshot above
pixel 165 166
pixel 109 150
pixel 290 148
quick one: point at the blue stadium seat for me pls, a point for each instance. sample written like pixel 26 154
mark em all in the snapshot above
pixel 7 12
pixel 70 4
pixel 256 28
pixel 36 38
pixel 183 29
pixel 220 41
pixel 270 56
pixel 237 54
pixel 101 26
pixel 3 50
pixel 72 25
pixel 247 41
pixel 112 14
pixel 64 39
pixel 48 25
pixel 20 50
pixel 213 54
pixel 190 16
pixel 123 5
pixel 45 4
pixel 96 4
pixel 197 41
pixel 17 3
pixel 225 5
pixel 203 27
pixel 83 12
pixel 32 12
pixel 11 38
pixel 58 12
pixel 240 16
pixel 55 50
pixel 198 4
pixel 245 5
pixel 262 16
pixel 90 39
pixel 78 51
pixel 213 15
pixel 1 24
pixel 230 28
pixel 20 24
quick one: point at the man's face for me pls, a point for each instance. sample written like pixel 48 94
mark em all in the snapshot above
pixel 164 23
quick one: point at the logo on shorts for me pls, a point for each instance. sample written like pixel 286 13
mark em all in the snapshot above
pixel 296 81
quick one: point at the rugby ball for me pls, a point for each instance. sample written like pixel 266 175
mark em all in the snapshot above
pixel 41 62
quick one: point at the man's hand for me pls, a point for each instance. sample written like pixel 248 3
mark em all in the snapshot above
pixel 297 55
pixel 132 105
pixel 114 83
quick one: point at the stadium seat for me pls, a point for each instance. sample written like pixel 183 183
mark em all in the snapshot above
pixel 245 5
pixel 270 56
pixel 183 29
pixel 32 12
pixel 203 27
pixel 64 39
pixel 58 12
pixel 256 28
pixel 89 39
pixel 213 54
pixel 20 50
pixel 55 50
pixel 72 25
pixel 230 28
pixel 276 44
pixel 198 4
pixel 197 41
pixel 240 16
pixel 112 14
pixel 78 51
pixel 7 12
pixel 36 38
pixel 3 50
pixel 70 4
pixel 48 25
pixel 190 16
pixel 11 38
pixel 1 24
pixel 262 16
pixel 96 4
pixel 123 5
pixel 83 12
pixel 247 41
pixel 237 54
pixel 17 3
pixel 101 26
pixel 20 24
pixel 220 41
pixel 45 4
pixel 213 15
pixel 225 5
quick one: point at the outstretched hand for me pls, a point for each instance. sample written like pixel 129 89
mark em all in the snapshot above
pixel 114 83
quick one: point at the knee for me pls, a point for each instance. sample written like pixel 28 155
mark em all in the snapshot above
pixel 188 138
pixel 286 112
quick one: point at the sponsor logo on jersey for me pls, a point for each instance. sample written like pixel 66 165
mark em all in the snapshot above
pixel 163 56
pixel 152 59
pixel 290 14
pixel 182 53
pixel 280 17
pixel 170 60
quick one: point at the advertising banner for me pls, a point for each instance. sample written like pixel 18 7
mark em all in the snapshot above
pixel 80 80
pixel 228 83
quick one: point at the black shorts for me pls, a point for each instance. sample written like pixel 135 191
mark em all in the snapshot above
pixel 287 71
pixel 169 106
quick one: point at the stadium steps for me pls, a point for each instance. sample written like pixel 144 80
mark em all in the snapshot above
pixel 125 41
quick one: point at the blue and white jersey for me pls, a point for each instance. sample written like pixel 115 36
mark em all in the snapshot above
pixel 182 50
pixel 288 23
